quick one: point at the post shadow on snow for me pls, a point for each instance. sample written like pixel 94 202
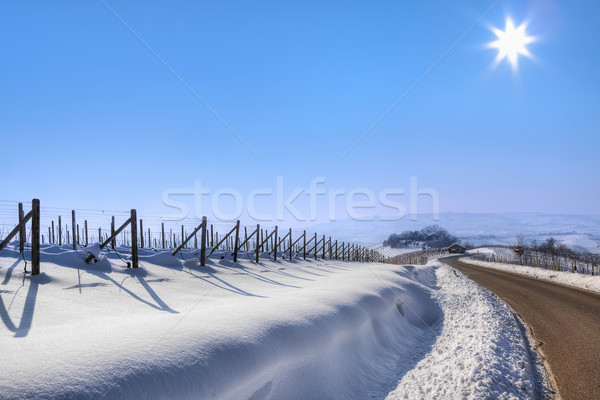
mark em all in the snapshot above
pixel 224 285
pixel 102 269
pixel 233 267
pixel 27 314
pixel 9 271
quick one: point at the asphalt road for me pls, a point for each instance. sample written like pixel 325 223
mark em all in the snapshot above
pixel 566 321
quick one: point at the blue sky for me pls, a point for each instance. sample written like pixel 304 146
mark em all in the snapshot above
pixel 91 117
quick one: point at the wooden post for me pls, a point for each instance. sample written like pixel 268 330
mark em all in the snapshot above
pixel 150 239
pixel 195 241
pixel 22 235
pixel 291 244
pixel 142 233
pixel 203 243
pixel 49 236
pixel 304 247
pixel 134 239
pixel 100 235
pixel 86 233
pixel 59 231
pixel 316 245
pixel 113 242
pixel 323 255
pixel 336 250
pixel 74 229
pixel 258 230
pixel 53 238
pixel 163 234
pixel 236 241
pixel 212 238
pixel 35 237
pixel 275 245
pixel 78 238
pixel 182 234
pixel 246 238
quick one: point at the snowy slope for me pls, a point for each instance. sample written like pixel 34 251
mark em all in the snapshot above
pixel 172 329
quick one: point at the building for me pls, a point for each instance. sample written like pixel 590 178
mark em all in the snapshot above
pixel 456 249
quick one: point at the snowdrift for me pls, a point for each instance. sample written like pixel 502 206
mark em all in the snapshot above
pixel 173 329
pixel 293 329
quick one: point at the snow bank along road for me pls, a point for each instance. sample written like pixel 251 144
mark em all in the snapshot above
pixel 565 320
pixel 315 329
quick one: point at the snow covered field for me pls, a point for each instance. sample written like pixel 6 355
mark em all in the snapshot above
pixel 289 329
pixel 587 282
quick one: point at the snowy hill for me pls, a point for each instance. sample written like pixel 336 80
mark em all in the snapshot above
pixel 579 232
pixel 287 329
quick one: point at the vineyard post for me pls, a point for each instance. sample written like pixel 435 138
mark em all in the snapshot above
pixel 134 239
pixel 113 242
pixel 22 235
pixel 35 237
pixel 275 245
pixel 291 244
pixel 258 230
pixel 304 247
pixel 141 233
pixel 203 243
pixel 74 229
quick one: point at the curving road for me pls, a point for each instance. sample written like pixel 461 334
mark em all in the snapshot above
pixel 565 320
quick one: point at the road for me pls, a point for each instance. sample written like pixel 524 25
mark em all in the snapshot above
pixel 565 320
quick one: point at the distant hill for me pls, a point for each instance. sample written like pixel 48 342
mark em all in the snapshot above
pixel 580 232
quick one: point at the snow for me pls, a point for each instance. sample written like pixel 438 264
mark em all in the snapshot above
pixel 577 280
pixel 287 329
pixel 482 350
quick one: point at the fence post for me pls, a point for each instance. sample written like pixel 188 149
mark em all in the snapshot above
pixel 113 242
pixel 53 238
pixel 304 247
pixel 74 229
pixel 257 241
pixel 275 245
pixel 336 250
pixel 237 241
pixel 141 233
pixel 59 232
pixel 35 237
pixel 22 235
pixel 162 227
pixel 86 232
pixel 203 243
pixel 291 244
pixel 134 239
pixel 182 234
pixel 100 234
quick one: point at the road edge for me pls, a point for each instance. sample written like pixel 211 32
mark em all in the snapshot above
pixel 529 336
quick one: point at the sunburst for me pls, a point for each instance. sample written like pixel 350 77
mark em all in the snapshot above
pixel 511 42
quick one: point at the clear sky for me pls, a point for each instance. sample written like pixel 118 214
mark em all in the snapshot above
pixel 94 115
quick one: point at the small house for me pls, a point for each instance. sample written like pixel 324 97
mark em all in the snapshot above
pixel 456 249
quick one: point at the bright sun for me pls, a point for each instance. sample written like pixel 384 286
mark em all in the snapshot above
pixel 511 42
